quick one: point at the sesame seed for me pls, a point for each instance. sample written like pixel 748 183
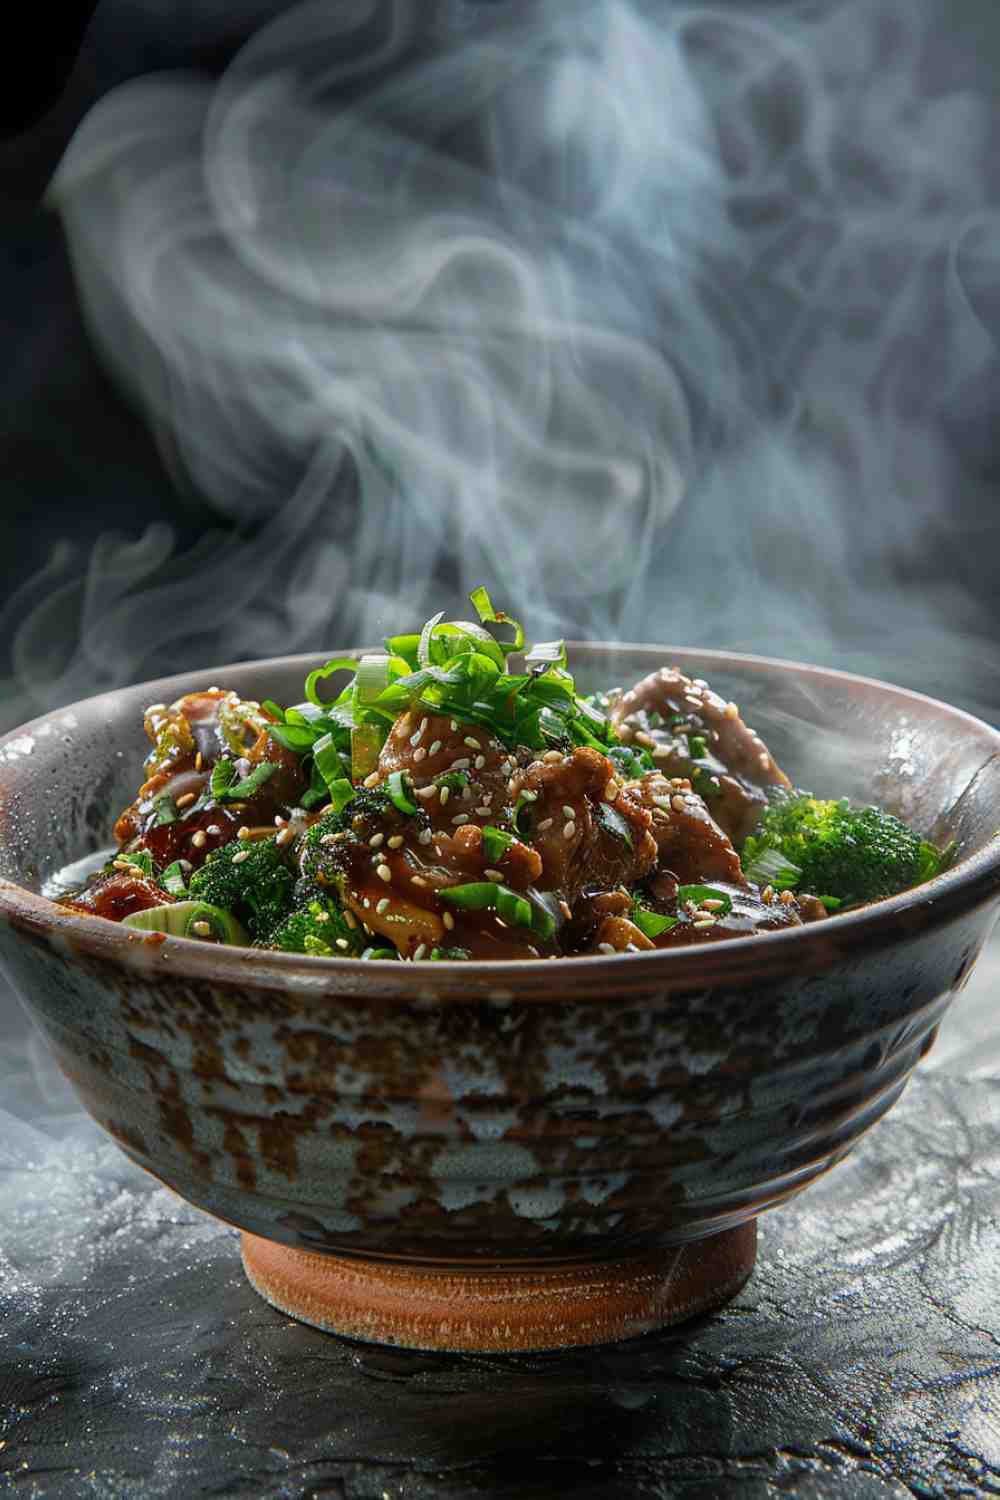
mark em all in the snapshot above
pixel 448 920
pixel 462 764
pixel 545 823
pixel 284 836
pixel 493 874
pixel 244 833
pixel 199 840
pixel 279 821
pixel 472 743
pixel 606 948
pixel 731 711
pixel 426 792
pixel 416 738
pixel 678 803
pixel 459 819
pixel 419 953
pixel 124 864
pixel 663 752
pixel 418 880
pixel 568 812
pixel 703 922
pixel 445 794
pixel 423 725
pixel 712 905
pixel 203 929
pixel 424 836
pixel 350 920
pixel 384 873
pixel 322 916
pixel 419 755
pixel 552 756
pixel 332 838
pixel 644 739
pixel 342 942
pixel 680 781
pixel 396 842
pixel 529 796
pixel 199 761
pixel 483 811
pixel 434 748
pixel 454 726
pixel 241 856
pixel 569 830
pixel 186 800
pixel 662 802
pixel 371 780
pixel 611 791
pixel 466 794
pixel 479 762
pixel 382 906
pixel 376 840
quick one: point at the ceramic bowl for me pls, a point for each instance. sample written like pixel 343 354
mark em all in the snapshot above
pixel 504 1155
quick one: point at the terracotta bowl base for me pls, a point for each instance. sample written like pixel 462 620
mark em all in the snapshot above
pixel 501 1309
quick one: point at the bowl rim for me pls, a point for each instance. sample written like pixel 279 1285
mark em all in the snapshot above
pixel 970 883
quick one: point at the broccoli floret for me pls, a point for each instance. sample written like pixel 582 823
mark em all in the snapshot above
pixel 833 850
pixel 249 879
pixel 318 925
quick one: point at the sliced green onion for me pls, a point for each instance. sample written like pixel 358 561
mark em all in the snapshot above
pixel 396 787
pixel 832 903
pixel 551 652
pixel 164 810
pixel 329 760
pixel 341 793
pixel 366 742
pixel 482 895
pixel 700 893
pixel 141 858
pixel 483 605
pixel 613 822
pixel 336 664
pixel 183 918
pixel 455 781
pixel 172 879
pixel 651 923
pixel 697 746
pixel 372 677
pixel 292 737
pixel 496 843
pixel 405 647
pixel 770 867
pixel 424 639
pixel 373 953
pixel 239 791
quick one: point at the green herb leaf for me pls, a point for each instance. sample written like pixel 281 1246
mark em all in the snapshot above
pixel 496 843
pixel 651 924
pixel 164 810
pixel 226 790
pixel 172 879
pixel 700 893
pixel 613 822
pixel 141 858
pixel 396 786
pixel 770 867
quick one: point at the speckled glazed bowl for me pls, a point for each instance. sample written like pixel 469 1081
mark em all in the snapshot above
pixel 504 1155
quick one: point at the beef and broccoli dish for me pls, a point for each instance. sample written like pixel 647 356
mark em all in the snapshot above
pixel 451 803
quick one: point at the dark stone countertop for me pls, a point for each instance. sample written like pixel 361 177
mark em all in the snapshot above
pixel 862 1360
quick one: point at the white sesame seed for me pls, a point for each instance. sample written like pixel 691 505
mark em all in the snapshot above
pixel 279 821
pixel 416 738
pixel 322 916
pixel 186 800
pixel 472 743
pixel 568 812
pixel 713 905
pixel 529 796
pixel 606 948
pixel 371 780
pixel 384 873
pixel 611 791
pixel 331 838
pixel 434 748
pixel 445 794
pixel 124 864
pixel 213 828
pixel 462 764
pixel 199 840
pixel 703 922
pixel 569 830
pixel 459 819
pixel 448 920
pixel 241 856
pixel 662 802
pixel 424 836
pixel 376 841
pixel 479 762
pixel 545 823
pixel 342 942
pixel 426 792
pixel 484 811
pixel 493 874
pixel 418 880
pixel 552 756
pixel 244 833
pixel 466 794
pixel 419 755
pixel 284 836
pixel 644 739
pixel 382 906
pixel 396 842
pixel 419 953
pixel 678 803
pixel 203 929
pixel 454 726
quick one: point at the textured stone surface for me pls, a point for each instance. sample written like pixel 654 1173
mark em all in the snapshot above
pixel 862 1360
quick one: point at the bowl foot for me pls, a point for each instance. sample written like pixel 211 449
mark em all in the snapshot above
pixel 501 1309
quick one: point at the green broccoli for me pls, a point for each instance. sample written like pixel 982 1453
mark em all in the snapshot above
pixel 318 924
pixel 839 853
pixel 251 879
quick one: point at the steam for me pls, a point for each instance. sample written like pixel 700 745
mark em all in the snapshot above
pixel 656 318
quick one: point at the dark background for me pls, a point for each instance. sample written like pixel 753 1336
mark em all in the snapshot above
pixel 890 567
